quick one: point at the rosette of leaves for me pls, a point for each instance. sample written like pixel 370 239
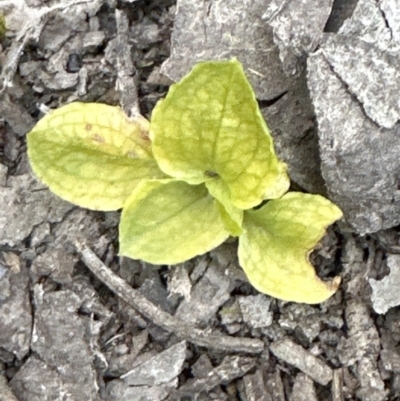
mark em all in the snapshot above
pixel 204 169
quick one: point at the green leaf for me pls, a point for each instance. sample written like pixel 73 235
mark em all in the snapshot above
pixel 169 222
pixel 209 125
pixel 231 215
pixel 92 154
pixel 278 239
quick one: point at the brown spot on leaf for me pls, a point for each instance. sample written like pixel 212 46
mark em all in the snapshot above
pixel 88 127
pixel 132 154
pixel 98 138
pixel 144 134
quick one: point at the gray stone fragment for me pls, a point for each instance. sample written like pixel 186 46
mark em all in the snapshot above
pixel 275 386
pixel 385 293
pixel 29 67
pixel 6 393
pixel 19 119
pixel 255 310
pixel 25 197
pixel 85 225
pixel 391 11
pixel 160 369
pixel 60 81
pixel 297 28
pixel 370 73
pixel 303 389
pixel 231 368
pixel 372 387
pixel 15 307
pixel 218 30
pixel 231 313
pixel 363 337
pixel 55 263
pixel 254 386
pixel 145 33
pixel 368 24
pixel 153 289
pixel 39 233
pixel 59 338
pixel 180 283
pixel 117 390
pixel 390 359
pixel 36 381
pixel 207 296
pixel 307 318
pixel 3 175
pixel 120 364
pixel 92 40
pixel 295 355
pixel 359 160
pixel 202 367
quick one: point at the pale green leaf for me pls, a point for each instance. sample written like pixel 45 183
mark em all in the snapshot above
pixel 168 222
pixel 231 215
pixel 92 154
pixel 209 125
pixel 274 249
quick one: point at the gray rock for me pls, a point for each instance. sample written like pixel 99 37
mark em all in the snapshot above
pixel 372 387
pixel 231 368
pixel 160 369
pixel 92 40
pixel 3 175
pixel 60 81
pixel 254 387
pixel 219 30
pixel 363 337
pixel 231 313
pixel 297 28
pixel 117 390
pixel 390 10
pixel 385 293
pixel 359 160
pixel 36 381
pixel 120 364
pixel 19 120
pixel 302 359
pixel 15 307
pixel 302 316
pixel 371 74
pixel 179 283
pixel 202 367
pixel 390 359
pixel 55 263
pixel 207 296
pixel 368 23
pixel 255 310
pixel 25 196
pixel 303 389
pixel 59 338
pixel 84 225
pixel 39 233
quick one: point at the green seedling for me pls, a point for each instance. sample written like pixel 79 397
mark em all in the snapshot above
pixel 204 169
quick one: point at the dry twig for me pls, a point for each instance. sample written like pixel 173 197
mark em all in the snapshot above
pixel 161 318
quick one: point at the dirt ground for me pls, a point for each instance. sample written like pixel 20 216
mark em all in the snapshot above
pixel 77 322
